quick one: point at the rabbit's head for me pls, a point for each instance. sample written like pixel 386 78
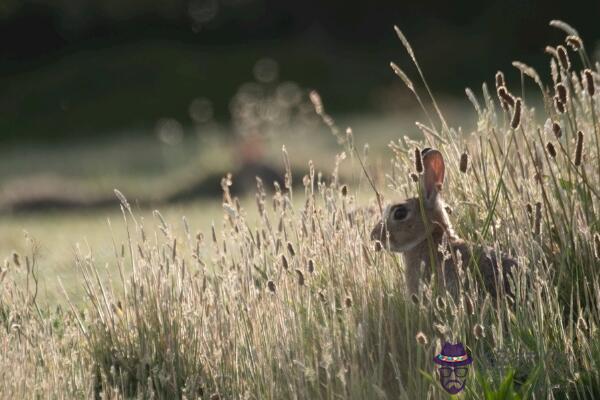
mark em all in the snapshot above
pixel 406 224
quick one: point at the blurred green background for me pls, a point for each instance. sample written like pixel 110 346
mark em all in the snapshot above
pixel 74 69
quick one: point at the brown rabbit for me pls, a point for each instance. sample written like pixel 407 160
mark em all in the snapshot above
pixel 417 230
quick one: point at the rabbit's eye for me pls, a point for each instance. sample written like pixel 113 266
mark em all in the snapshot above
pixel 400 213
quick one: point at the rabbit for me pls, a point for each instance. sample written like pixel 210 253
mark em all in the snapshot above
pixel 405 229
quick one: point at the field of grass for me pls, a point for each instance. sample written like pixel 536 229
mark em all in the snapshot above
pixel 286 296
pixel 145 168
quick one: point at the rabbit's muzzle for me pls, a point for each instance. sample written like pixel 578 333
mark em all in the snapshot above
pixel 379 233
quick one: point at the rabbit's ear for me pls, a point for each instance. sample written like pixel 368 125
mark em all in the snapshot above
pixel 433 179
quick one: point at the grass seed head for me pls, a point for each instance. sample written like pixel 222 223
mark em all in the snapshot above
pixel 260 205
pixel 322 296
pixel 271 286
pixel 414 177
pixel 499 80
pixel 421 339
pixel 551 150
pixel 284 262
pixel 441 304
pixel 348 301
pixel 214 233
pixel 556 130
pixel 582 324
pixel 563 58
pixel 16 259
pixel 574 42
pixel 315 98
pixel 589 81
pixel 469 308
pixel 505 96
pixel 559 105
pixel 344 190
pixel 311 266
pixel 561 92
pixel 366 257
pixel 306 181
pixel 415 299
pixel 516 118
pixel 579 148
pixel 291 250
pixel 464 162
pixel 478 331
pixel 551 50
pixel 300 277
pixel 418 161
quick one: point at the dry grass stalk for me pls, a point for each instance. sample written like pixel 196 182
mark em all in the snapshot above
pixel 537 222
pixel 562 25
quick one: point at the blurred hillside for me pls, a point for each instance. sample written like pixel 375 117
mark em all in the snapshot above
pixel 72 69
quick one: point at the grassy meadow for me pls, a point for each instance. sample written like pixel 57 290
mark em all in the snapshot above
pixel 280 294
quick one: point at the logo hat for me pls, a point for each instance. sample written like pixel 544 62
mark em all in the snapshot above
pixel 453 355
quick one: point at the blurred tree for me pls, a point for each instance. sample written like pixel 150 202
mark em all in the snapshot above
pixel 73 67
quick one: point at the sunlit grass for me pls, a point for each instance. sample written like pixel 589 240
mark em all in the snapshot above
pixel 285 296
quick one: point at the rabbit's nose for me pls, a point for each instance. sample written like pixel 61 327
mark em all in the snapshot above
pixel 377 232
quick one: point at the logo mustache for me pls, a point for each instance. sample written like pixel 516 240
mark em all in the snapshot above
pixel 451 383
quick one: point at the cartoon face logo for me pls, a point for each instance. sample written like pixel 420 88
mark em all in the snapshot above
pixel 453 367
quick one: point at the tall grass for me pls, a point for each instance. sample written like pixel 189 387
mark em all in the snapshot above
pixel 301 306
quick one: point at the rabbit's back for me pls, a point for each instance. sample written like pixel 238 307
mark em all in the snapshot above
pixel 482 262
